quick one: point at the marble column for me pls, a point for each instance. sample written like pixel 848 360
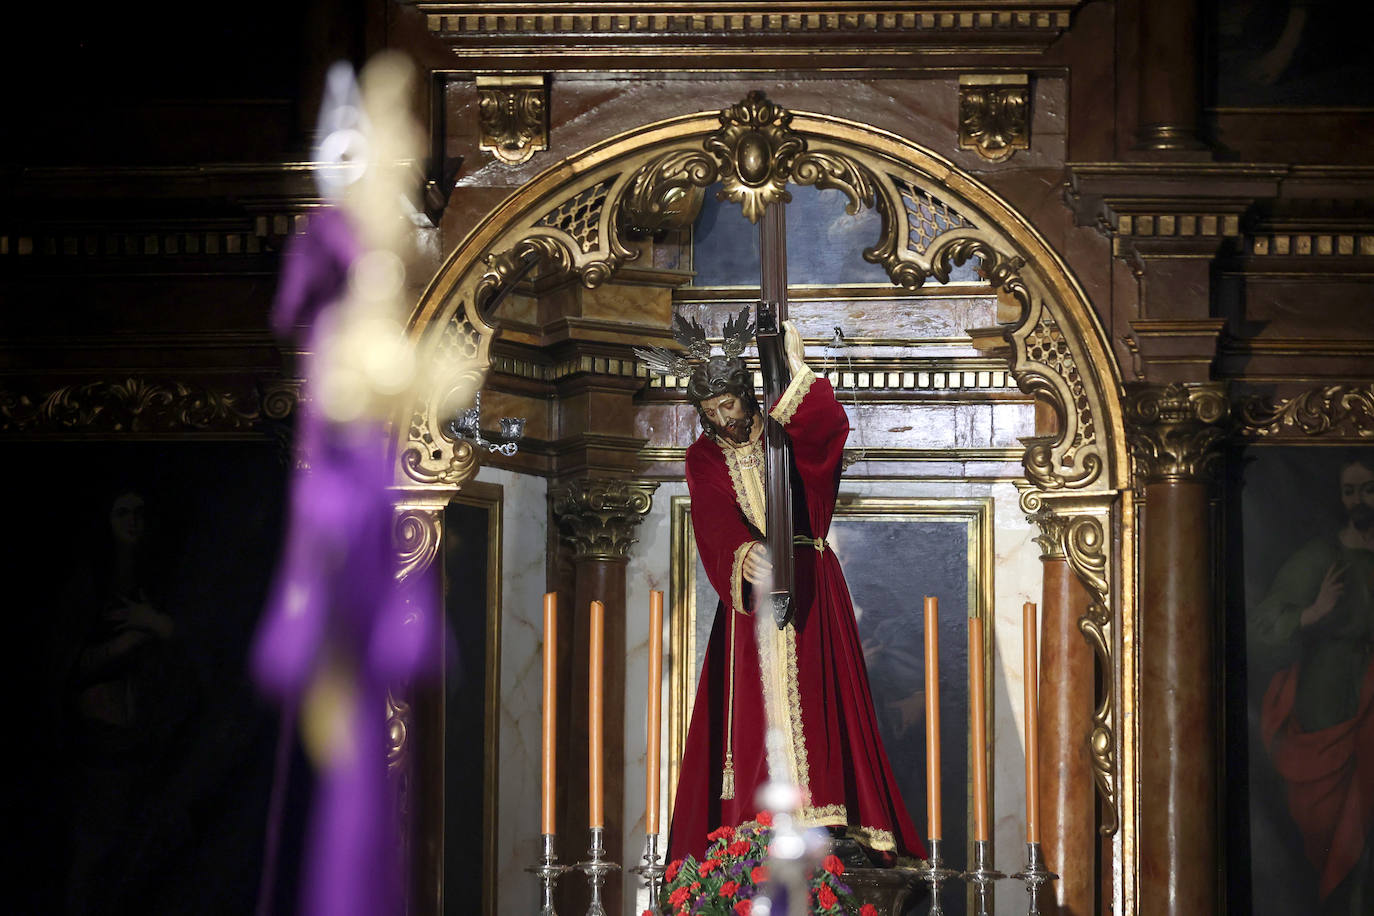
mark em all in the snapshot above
pixel 1175 433
pixel 598 518
pixel 1170 91
pixel 1067 799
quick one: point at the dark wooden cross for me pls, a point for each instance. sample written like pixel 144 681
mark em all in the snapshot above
pixel 772 312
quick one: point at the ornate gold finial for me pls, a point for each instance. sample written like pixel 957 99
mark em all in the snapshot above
pixel 1176 430
pixel 599 516
pixel 994 115
pixel 514 116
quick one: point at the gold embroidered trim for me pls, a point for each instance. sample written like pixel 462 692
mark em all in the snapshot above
pixel 801 767
pixel 791 398
pixel 737 578
pixel 838 816
pixel 747 478
pixel 727 776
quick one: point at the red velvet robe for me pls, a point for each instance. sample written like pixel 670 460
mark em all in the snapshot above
pixel 815 666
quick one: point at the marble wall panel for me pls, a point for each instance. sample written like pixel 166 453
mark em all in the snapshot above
pixel 523 541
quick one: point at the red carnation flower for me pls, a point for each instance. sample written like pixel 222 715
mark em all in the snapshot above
pixel 739 848
pixel 868 909
pixel 744 908
pixel 765 818
pixel 833 865
pixel 673 867
pixel 826 897
pixel 759 874
pixel 721 833
pixel 647 913
pixel 728 889
pixel 694 886
pixel 708 866
pixel 679 896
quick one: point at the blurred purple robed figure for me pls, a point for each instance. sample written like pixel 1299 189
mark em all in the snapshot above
pixel 338 628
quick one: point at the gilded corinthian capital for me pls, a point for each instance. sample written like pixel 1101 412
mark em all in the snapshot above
pixel 1176 431
pixel 599 516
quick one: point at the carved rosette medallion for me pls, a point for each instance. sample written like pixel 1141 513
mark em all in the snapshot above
pixel 1341 410
pixel 599 516
pixel 994 115
pixel 514 116
pixel 1176 431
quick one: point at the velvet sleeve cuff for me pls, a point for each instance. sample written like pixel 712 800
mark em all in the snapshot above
pixel 791 398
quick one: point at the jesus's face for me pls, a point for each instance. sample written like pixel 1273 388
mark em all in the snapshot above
pixel 1357 493
pixel 730 415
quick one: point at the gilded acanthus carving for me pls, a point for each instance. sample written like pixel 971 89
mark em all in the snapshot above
pixel 994 115
pixel 1085 547
pixel 140 405
pixel 1329 410
pixel 514 116
pixel 599 516
pixel 1051 526
pixel 461 467
pixel 415 535
pixel 1176 431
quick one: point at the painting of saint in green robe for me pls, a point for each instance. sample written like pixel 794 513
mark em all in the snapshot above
pixel 1311 677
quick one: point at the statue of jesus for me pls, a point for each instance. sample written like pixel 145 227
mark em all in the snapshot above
pixel 813 668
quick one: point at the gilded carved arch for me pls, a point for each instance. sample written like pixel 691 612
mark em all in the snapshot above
pixel 573 220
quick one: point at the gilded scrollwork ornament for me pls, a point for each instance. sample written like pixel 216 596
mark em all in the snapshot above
pixel 1085 547
pixel 136 405
pixel 415 538
pixel 513 111
pixel 994 115
pixel 462 466
pixel 1328 410
pixel 599 516
pixel 1176 431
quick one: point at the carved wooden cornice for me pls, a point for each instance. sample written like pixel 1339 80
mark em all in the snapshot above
pixel 599 516
pixel 137 406
pixel 694 34
pixel 1176 431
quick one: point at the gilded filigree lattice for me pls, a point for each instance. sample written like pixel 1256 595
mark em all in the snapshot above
pixel 1047 345
pixel 580 215
pixel 927 216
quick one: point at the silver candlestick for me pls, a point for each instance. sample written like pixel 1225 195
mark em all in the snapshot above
pixel 982 877
pixel 652 870
pixel 596 869
pixel 549 871
pixel 934 873
pixel 1035 875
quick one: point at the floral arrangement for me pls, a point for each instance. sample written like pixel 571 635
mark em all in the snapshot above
pixel 734 870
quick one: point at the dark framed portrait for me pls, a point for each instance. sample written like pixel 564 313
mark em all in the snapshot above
pixel 894 551
pixel 1300 680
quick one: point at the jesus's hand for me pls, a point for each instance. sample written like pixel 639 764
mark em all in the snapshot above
pixel 758 568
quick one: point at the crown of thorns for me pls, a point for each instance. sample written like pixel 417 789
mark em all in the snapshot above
pixel 707 375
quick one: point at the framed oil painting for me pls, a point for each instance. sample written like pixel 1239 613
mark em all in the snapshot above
pixel 894 551
pixel 1300 681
